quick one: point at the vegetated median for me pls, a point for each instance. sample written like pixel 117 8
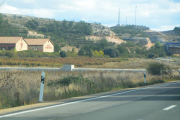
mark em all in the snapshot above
pixel 22 87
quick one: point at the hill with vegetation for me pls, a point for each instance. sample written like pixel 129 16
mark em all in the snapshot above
pixel 81 35
pixel 7 29
pixel 141 34
pixel 175 34
pixel 130 31
pixel 61 32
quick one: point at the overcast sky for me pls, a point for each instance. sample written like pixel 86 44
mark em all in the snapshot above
pixel 159 15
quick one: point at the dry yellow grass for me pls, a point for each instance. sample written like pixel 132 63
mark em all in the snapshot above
pixel 135 63
pixel 22 87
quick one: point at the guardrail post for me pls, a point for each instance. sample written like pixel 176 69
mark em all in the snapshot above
pixel 42 87
pixel 144 76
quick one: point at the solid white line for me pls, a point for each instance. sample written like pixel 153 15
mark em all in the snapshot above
pixel 13 114
pixel 170 107
pixel 69 103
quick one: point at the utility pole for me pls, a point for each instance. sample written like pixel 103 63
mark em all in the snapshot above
pixel 119 18
pixel 135 15
pixel 126 20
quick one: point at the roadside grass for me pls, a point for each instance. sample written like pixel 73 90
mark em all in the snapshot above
pixel 18 88
pixel 134 63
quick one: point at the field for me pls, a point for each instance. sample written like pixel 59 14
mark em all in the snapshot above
pixel 22 87
pixel 56 62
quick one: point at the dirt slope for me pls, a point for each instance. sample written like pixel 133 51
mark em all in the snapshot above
pixel 109 39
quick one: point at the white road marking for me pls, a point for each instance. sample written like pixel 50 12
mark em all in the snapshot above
pixel 69 103
pixel 170 107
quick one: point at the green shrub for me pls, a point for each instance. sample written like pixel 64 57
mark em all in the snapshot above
pixel 151 55
pixel 111 51
pixel 81 52
pixel 63 54
pixel 156 68
pixel 68 80
pixel 10 54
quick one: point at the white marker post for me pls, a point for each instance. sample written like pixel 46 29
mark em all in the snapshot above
pixel 42 87
pixel 179 73
pixel 144 77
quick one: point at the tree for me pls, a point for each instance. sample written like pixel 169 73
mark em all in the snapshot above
pixel 73 50
pixel 111 51
pixel 158 44
pixel 83 28
pixel 90 53
pixel 63 54
pixel 44 29
pixel 71 24
pixel 156 68
pixel 65 25
pixel 96 53
pixel 151 55
pixel 33 24
pixel 56 47
pixel 122 49
pixel 81 52
pixel 101 44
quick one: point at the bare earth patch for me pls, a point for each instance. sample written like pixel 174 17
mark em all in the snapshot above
pixel 35 34
pixel 149 45
pixel 109 39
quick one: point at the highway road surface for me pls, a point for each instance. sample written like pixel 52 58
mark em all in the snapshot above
pixel 158 102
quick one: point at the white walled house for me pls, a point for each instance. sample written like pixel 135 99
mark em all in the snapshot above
pixel 43 45
pixel 11 43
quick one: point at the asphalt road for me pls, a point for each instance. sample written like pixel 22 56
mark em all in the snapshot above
pixel 159 102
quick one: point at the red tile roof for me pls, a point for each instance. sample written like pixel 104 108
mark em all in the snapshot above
pixel 10 40
pixel 36 41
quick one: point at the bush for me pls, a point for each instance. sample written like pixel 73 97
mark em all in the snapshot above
pixel 151 55
pixel 9 54
pixel 156 68
pixel 63 54
pixel 70 79
pixel 81 52
pixel 112 52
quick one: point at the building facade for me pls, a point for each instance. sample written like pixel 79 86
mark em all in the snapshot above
pixel 43 45
pixel 20 44
pixel 173 48
pixel 11 43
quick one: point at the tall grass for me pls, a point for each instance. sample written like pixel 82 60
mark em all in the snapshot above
pixel 19 88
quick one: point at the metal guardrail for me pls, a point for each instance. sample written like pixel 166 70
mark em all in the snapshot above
pixel 110 70
pixel 71 68
pixel 31 69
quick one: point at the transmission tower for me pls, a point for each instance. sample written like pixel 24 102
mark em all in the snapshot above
pixel 126 20
pixel 135 15
pixel 119 18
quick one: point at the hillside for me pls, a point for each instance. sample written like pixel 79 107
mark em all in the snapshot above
pixel 69 32
pixel 174 34
pixel 84 39
pixel 141 34
pixel 155 36
pixel 77 34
